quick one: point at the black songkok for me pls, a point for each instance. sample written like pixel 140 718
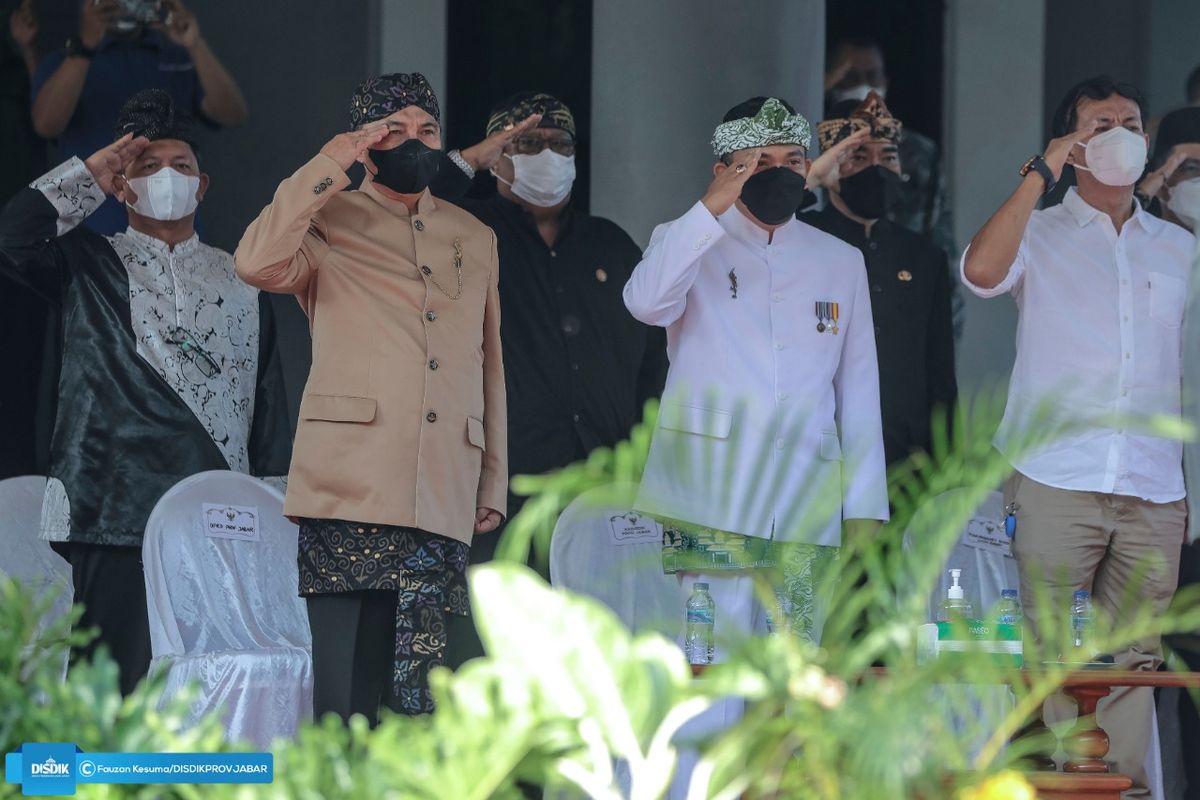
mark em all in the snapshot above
pixel 384 95
pixel 151 113
pixel 523 105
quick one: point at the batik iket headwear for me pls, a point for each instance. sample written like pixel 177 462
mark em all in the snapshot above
pixel 872 113
pixel 384 95
pixel 555 113
pixel 771 125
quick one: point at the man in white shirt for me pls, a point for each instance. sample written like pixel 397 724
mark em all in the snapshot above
pixel 1100 286
pixel 769 435
pixel 772 397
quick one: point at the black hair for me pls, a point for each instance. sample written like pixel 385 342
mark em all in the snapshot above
pixel 1100 87
pixel 1192 87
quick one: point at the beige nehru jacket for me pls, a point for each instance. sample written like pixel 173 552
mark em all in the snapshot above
pixel 403 416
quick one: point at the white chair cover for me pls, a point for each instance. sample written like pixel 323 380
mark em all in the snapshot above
pixel 221 584
pixel 24 556
pixel 588 556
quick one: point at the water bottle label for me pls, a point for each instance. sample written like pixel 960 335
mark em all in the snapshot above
pixel 1007 619
pixel 702 615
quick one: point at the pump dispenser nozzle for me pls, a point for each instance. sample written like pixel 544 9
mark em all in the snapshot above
pixel 955 592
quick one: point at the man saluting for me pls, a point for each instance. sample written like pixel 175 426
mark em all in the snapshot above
pixel 400 451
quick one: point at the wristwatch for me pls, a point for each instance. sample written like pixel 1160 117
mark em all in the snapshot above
pixel 76 47
pixel 1038 164
pixel 456 157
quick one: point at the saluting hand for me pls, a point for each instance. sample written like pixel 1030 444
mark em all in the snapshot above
pixel 111 161
pixel 827 168
pixel 346 148
pixel 487 520
pixel 726 187
pixel 1058 152
pixel 483 156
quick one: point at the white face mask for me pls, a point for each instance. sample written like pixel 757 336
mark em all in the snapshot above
pixel 1116 157
pixel 1184 201
pixel 858 92
pixel 167 195
pixel 544 180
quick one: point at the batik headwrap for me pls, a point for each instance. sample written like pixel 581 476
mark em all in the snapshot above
pixel 555 113
pixel 151 113
pixel 773 124
pixel 384 95
pixel 872 113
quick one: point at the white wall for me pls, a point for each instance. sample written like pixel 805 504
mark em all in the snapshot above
pixel 994 85
pixel 665 71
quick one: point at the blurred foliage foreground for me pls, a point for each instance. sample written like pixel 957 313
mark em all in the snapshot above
pixel 571 703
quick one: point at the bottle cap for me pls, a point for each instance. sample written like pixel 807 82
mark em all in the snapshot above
pixel 703 586
pixel 1009 593
pixel 1083 594
pixel 955 592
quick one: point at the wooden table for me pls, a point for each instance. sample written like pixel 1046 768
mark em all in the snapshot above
pixel 1085 774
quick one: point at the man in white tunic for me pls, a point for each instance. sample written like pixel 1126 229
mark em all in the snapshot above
pixel 769 438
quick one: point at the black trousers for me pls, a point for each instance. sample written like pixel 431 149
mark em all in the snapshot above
pixel 111 587
pixel 354 649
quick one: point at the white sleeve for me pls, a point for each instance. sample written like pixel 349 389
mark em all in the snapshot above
pixel 1012 281
pixel 656 293
pixel 72 191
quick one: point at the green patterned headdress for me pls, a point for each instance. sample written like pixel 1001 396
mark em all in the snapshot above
pixel 771 125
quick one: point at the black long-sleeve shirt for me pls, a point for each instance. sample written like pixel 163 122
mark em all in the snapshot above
pixel 578 367
pixel 914 336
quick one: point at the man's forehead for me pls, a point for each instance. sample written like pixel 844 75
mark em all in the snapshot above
pixel 411 115
pixel 167 148
pixel 1115 106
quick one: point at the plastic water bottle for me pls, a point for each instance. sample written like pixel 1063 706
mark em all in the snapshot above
pixel 701 612
pixel 1081 625
pixel 955 606
pixel 1008 612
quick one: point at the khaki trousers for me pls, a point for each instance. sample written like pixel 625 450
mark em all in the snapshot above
pixel 1126 552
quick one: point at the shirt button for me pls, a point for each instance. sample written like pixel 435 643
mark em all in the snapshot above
pixel 782 396
pixel 779 444
pixel 876 287
pixel 419 225
pixel 1127 318
pixel 779 345
pixel 433 363
pixel 554 254
pixel 873 245
pixel 1124 393
pixel 575 367
pixel 777 297
pixel 426 270
pixel 576 417
pixel 1127 356
pixel 430 315
pixel 431 416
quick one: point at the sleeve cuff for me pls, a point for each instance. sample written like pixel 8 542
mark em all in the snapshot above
pixel 72 191
pixel 700 229
pixel 1003 287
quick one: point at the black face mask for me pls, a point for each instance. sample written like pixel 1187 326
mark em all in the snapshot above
pixel 774 195
pixel 408 168
pixel 870 193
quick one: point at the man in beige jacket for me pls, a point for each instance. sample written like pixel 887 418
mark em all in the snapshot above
pixel 400 451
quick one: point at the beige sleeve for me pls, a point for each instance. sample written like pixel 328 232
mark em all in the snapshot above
pixel 284 246
pixel 493 480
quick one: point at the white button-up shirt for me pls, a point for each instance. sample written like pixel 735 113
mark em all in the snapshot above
pixel 769 427
pixel 1098 343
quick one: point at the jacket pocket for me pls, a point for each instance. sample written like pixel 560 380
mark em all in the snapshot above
pixel 1167 297
pixel 697 420
pixel 475 433
pixel 831 447
pixel 337 408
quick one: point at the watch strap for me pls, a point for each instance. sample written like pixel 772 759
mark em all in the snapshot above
pixel 1038 164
